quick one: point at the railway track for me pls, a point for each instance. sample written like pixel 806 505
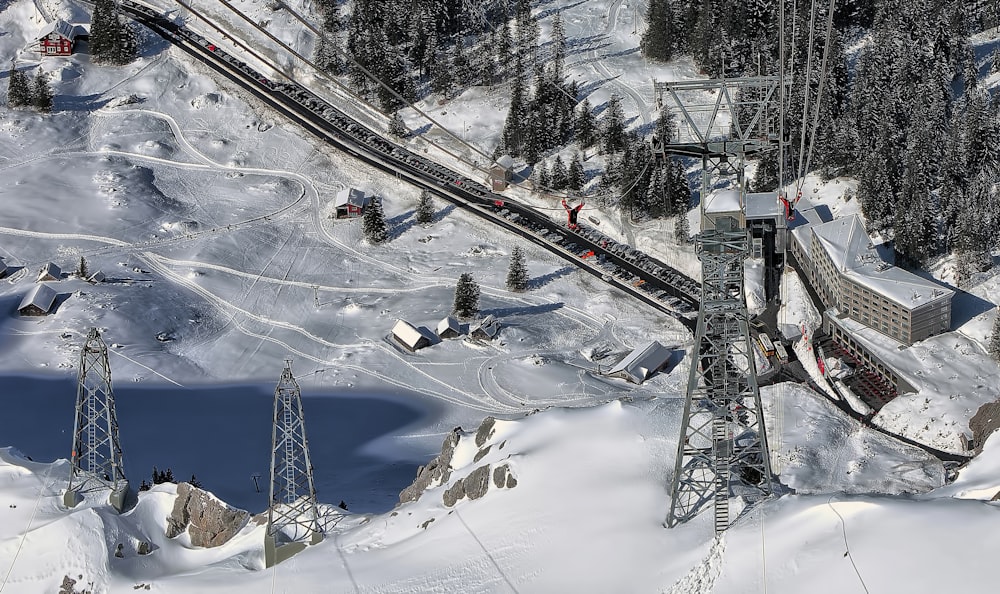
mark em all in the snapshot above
pixel 619 265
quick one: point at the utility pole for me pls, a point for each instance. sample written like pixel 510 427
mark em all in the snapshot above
pixel 292 515
pixel 96 460
pixel 722 449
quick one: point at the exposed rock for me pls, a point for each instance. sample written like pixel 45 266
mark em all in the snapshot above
pixel 209 522
pixel 511 481
pixel 67 586
pixel 453 493
pixel 120 551
pixel 427 523
pixel 503 477
pixel 983 423
pixel 436 472
pixel 144 548
pixel 481 454
pixel 485 431
pixel 478 482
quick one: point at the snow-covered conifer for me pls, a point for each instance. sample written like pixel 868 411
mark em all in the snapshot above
pixel 466 296
pixel 517 273
pixel 373 222
pixel 425 209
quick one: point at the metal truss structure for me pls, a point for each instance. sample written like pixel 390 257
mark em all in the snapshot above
pixel 292 515
pixel 96 460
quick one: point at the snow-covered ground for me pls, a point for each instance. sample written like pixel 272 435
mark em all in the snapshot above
pixel 211 219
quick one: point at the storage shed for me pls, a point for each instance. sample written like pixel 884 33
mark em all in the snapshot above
pixel 408 336
pixel 487 329
pixel 38 301
pixel 641 363
pixel 501 173
pixel 49 272
pixel 449 328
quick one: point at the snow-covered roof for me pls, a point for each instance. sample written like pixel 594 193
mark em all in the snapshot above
pixel 854 256
pixel 449 324
pixel 763 205
pixel 642 362
pixel 49 271
pixel 58 26
pixel 42 297
pixel 720 201
pixel 489 326
pixel 407 334
pixel 3 267
pixel 352 196
pixel 97 277
pixel 505 161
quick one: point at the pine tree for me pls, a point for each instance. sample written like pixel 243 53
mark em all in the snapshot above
pixel 682 230
pixel 577 176
pixel 194 482
pixel 373 222
pixel 42 98
pixel 614 125
pixel 82 270
pixel 517 274
pixel 113 40
pixel 396 126
pixel 544 179
pixel 585 125
pixel 560 176
pixel 168 477
pixel 466 296
pixel 18 91
pixel 657 41
pixel 994 347
pixel 425 209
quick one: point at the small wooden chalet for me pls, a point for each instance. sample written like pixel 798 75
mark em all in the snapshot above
pixel 351 203
pixel 487 329
pixel 58 38
pixel 449 328
pixel 97 277
pixel 501 173
pixel 408 336
pixel 38 301
pixel 49 272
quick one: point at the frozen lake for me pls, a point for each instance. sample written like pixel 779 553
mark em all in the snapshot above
pixel 222 434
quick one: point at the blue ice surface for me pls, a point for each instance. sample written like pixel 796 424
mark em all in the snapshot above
pixel 222 434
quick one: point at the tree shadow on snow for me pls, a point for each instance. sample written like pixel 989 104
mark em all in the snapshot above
pixel 400 224
pixel 541 281
pixel 528 310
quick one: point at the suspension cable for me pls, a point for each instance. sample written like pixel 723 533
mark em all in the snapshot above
pixel 822 82
pixel 805 93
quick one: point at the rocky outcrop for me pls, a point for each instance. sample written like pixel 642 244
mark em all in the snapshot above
pixel 208 521
pixel 485 431
pixel 984 423
pixel 436 472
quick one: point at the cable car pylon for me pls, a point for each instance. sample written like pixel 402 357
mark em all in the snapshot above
pixel 96 459
pixel 292 515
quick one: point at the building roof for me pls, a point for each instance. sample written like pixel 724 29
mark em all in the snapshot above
pixel 352 196
pixel 720 201
pixel 449 323
pixel 57 26
pixel 489 326
pixel 97 277
pixel 408 335
pixel 3 267
pixel 505 161
pixel 41 296
pixel 49 270
pixel 763 205
pixel 642 362
pixel 854 255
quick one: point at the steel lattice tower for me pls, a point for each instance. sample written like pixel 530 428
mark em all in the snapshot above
pixel 96 461
pixel 722 450
pixel 292 517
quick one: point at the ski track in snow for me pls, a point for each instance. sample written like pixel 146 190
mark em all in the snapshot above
pixel 611 23
pixel 701 578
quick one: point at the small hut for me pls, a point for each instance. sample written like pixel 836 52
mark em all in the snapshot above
pixel 97 277
pixel 351 203
pixel 641 363
pixel 408 336
pixel 38 301
pixel 49 272
pixel 501 173
pixel 487 329
pixel 449 328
